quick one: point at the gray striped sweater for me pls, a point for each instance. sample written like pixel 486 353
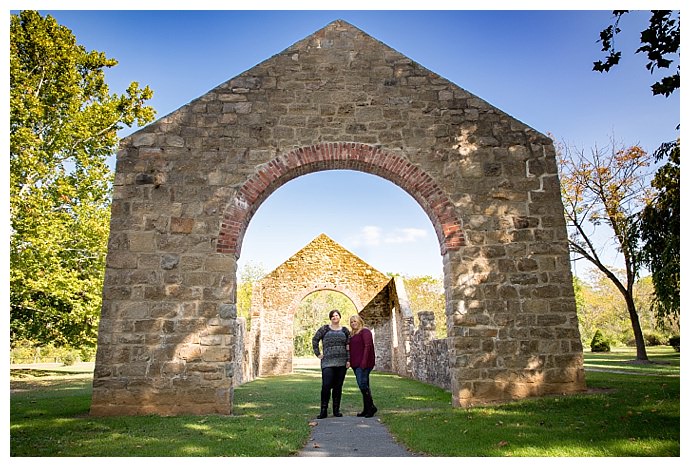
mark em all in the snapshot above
pixel 334 343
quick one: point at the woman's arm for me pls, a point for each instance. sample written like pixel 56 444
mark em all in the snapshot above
pixel 369 354
pixel 347 345
pixel 315 340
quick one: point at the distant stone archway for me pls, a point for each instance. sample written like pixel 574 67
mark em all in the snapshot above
pixel 187 186
pixel 321 265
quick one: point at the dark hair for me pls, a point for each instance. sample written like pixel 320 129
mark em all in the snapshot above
pixel 332 312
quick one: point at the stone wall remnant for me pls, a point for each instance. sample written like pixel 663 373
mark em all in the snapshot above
pixel 187 186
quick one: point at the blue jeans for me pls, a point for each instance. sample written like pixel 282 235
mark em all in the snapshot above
pixel 362 375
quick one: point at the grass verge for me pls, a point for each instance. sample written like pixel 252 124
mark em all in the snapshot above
pixel 623 415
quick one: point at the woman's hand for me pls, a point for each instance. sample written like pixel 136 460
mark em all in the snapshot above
pixel 321 357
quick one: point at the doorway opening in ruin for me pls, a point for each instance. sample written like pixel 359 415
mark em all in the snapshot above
pixel 374 217
pixel 312 313
pixel 397 237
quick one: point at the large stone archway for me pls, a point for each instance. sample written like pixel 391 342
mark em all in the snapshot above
pixel 332 156
pixel 187 186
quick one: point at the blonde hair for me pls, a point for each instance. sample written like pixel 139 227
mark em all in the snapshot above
pixel 360 321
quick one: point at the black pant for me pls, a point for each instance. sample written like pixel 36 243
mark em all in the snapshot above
pixel 332 378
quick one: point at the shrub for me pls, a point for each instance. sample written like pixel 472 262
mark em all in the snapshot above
pixel 69 358
pixel 87 354
pixel 654 338
pixel 674 342
pixel 23 352
pixel 26 351
pixel 599 343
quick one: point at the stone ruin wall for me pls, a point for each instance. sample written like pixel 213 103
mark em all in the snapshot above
pixel 187 186
pixel 321 265
pixel 420 355
pixel 429 358
pixel 401 348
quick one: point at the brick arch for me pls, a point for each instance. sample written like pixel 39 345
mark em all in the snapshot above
pixel 300 295
pixel 332 156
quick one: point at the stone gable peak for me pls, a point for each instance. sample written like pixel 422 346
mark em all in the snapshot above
pixel 325 250
pixel 332 60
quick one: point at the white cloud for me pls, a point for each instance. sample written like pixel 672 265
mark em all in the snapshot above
pixel 371 235
pixel 408 235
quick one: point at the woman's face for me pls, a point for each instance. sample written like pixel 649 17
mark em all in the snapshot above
pixel 354 324
pixel 335 319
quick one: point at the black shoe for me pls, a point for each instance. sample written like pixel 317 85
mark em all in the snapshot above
pixel 365 404
pixel 336 406
pixel 369 407
pixel 323 413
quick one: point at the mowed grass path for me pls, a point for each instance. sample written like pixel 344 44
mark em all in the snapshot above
pixel 621 415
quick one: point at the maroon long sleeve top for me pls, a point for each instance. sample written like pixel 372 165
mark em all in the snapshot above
pixel 362 353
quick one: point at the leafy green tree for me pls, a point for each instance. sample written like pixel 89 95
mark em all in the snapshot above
pixel 607 187
pixel 599 343
pixel 587 319
pixel 660 233
pixel 248 276
pixel 601 306
pixel 63 128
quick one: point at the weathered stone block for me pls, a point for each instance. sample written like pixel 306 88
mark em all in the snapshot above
pixel 215 354
pixel 181 225
pixel 220 263
pixel 141 241
pixel 189 353
pixel 120 260
pixel 228 311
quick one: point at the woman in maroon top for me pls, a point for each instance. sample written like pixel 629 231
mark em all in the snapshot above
pixel 362 360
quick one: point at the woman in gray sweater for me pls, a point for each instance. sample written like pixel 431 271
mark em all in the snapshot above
pixel 335 360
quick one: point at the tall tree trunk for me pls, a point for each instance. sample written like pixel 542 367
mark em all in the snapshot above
pixel 637 329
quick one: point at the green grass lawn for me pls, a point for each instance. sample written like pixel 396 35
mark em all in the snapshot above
pixel 621 415
pixel 666 361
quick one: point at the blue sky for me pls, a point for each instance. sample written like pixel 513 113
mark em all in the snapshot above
pixel 534 65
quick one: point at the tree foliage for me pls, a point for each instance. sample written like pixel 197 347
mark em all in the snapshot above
pixel 660 232
pixel 63 128
pixel 607 188
pixel 247 277
pixel 660 41
pixel 426 294
pixel 600 306
pixel 599 343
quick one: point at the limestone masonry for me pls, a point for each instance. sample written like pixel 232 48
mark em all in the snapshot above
pixel 187 186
